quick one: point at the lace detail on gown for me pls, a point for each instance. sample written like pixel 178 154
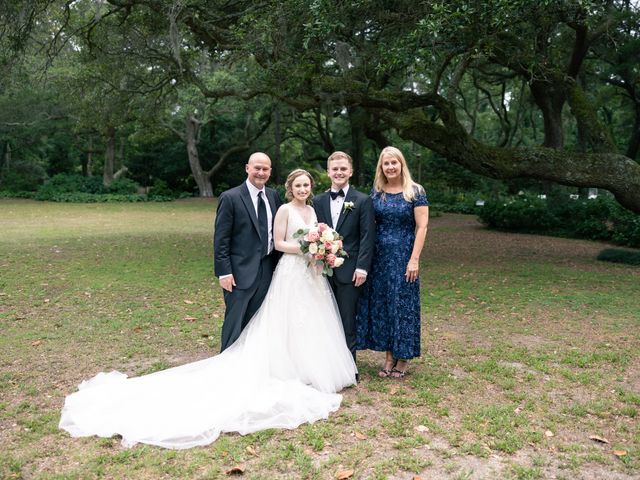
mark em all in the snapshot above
pixel 283 371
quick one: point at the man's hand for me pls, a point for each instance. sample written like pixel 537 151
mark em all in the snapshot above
pixel 227 283
pixel 359 278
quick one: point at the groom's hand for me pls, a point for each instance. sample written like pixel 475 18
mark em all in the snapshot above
pixel 227 283
pixel 359 278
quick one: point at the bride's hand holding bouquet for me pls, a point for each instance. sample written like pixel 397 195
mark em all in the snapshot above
pixel 323 247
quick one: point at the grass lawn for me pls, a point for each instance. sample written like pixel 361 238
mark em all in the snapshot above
pixel 531 348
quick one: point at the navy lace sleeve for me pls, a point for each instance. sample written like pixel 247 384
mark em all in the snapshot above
pixel 420 199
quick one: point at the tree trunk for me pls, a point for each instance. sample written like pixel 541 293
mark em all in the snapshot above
pixel 120 156
pixel 594 136
pixel 634 141
pixel 192 127
pixel 87 162
pixel 109 157
pixel 551 102
pixel 7 156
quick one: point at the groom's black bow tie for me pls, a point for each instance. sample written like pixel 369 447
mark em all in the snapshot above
pixel 334 195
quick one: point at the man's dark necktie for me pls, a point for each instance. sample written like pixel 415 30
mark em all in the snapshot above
pixel 262 224
pixel 334 195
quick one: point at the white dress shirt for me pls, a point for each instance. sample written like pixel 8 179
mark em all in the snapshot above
pixel 253 191
pixel 336 205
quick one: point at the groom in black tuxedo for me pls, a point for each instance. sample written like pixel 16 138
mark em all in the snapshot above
pixel 243 246
pixel 351 214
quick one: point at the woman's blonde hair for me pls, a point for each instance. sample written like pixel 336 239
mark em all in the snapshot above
pixel 409 187
pixel 298 172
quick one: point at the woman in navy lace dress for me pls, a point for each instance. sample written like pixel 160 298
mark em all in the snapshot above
pixel 389 308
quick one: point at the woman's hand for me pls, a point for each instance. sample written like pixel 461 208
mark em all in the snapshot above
pixel 413 270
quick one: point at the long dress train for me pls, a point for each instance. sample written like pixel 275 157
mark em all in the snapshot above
pixel 283 371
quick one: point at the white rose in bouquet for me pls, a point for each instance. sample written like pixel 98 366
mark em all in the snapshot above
pixel 327 236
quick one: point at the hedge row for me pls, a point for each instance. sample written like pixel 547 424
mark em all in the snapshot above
pixel 597 219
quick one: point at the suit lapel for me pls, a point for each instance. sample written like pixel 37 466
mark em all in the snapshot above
pixel 343 214
pixel 251 211
pixel 325 206
pixel 272 203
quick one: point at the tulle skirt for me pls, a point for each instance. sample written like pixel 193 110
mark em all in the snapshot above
pixel 284 370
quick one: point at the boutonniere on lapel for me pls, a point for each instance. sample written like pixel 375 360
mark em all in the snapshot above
pixel 348 206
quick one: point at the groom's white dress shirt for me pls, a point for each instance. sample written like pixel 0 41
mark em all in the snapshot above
pixel 336 205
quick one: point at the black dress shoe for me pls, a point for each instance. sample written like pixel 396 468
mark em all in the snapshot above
pixel 357 377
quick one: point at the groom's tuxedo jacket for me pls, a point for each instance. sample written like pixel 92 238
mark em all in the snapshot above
pixel 356 225
pixel 237 242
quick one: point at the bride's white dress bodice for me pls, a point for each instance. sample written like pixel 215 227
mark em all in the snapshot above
pixel 284 370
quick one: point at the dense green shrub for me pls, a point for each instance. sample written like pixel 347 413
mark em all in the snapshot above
pixel 617 255
pixel 21 194
pixel 22 176
pixel 122 186
pixel 458 202
pixel 82 197
pixel 160 188
pixel 597 219
pixel 79 189
pixel 65 183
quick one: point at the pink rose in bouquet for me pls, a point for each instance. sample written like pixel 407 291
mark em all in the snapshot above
pixel 312 236
pixel 323 245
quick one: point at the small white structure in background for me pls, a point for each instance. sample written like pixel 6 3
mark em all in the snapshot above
pixel 520 192
pixel 542 196
pixel 574 196
pixel 592 194
pixel 479 203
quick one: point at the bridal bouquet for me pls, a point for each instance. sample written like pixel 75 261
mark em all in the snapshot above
pixel 323 245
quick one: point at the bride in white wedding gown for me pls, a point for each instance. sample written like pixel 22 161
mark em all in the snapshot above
pixel 283 371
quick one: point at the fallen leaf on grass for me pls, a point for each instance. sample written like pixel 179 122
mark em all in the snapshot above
pixel 36 343
pixel 188 302
pixel 344 474
pixel 190 319
pixel 393 390
pixel 596 438
pixel 251 450
pixel 548 433
pixel 619 453
pixel 421 428
pixel 360 436
pixel 237 470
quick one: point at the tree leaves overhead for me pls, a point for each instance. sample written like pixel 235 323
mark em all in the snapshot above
pixel 505 88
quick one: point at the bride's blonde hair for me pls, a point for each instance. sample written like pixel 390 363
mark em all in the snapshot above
pixel 409 187
pixel 298 172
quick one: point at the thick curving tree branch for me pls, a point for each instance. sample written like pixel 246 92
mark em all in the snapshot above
pixel 411 115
